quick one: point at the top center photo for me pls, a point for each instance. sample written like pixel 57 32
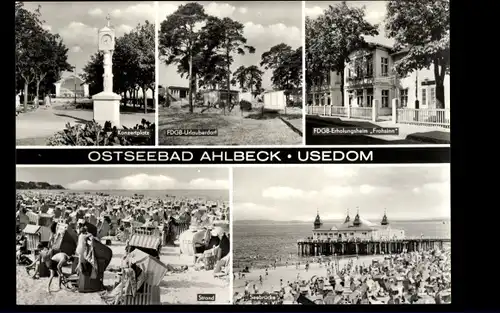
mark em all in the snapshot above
pixel 230 73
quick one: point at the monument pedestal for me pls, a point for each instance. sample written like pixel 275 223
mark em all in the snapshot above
pixel 107 108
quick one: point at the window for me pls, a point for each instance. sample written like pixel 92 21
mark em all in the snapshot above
pixel 385 98
pixel 359 68
pixel 359 96
pixel 369 98
pixel 424 96
pixel 385 66
pixel 349 74
pixel 352 234
pixel 403 97
pixel 433 96
pixel 369 66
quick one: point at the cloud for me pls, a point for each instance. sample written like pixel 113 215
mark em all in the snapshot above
pixel 341 171
pixel 76 49
pixel 288 34
pixel 166 8
pixel 249 210
pixel 439 187
pixel 47 27
pixel 204 183
pixel 95 12
pixel 147 182
pixel 334 191
pixel 287 193
pixel 314 11
pixel 145 11
pixel 79 33
pixel 123 29
pixel 379 190
pixel 220 9
pixel 243 10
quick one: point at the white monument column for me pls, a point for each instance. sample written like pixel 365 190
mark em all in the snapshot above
pixel 107 103
pixel 85 90
pixel 58 89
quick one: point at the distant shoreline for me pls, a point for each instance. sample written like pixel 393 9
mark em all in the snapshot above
pixel 272 222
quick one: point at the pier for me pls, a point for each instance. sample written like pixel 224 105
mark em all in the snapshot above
pixel 311 247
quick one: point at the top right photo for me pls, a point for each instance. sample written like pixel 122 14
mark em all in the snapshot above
pixel 377 72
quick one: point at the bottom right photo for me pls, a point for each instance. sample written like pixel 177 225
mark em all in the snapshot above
pixel 342 234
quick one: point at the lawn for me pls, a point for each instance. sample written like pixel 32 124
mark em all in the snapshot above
pixel 234 128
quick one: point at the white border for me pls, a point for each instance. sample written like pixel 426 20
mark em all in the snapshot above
pixel 232 166
pixel 238 147
pixel 231 277
pixel 157 74
pixel 304 95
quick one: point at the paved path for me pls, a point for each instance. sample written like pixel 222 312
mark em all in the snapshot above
pixel 46 122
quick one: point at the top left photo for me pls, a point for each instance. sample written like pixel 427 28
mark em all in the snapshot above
pixel 85 73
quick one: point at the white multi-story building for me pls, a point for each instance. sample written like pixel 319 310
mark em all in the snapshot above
pixel 357 229
pixel 369 75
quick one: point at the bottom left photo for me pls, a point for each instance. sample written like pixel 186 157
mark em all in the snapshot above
pixel 123 235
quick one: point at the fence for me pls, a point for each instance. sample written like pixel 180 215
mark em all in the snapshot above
pixel 340 111
pixel 423 117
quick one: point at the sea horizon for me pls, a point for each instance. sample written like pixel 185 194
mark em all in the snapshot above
pixel 207 194
pixel 260 244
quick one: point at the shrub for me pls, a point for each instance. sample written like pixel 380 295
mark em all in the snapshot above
pixel 93 134
pixel 245 105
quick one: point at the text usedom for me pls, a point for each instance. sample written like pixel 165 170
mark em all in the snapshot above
pixel 231 156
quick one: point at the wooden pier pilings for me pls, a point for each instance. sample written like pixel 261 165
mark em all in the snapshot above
pixel 327 247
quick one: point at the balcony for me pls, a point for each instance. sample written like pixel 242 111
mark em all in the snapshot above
pixel 321 88
pixel 367 81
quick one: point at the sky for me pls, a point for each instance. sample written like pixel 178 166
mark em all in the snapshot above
pixel 266 24
pixel 375 12
pixel 297 193
pixel 78 22
pixel 117 178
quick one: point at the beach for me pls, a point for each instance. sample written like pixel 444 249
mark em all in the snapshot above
pixel 289 273
pixel 175 288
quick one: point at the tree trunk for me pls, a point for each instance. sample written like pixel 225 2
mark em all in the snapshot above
pixel 341 88
pixel 439 77
pixel 144 89
pixel 25 96
pixel 37 91
pixel 228 83
pixel 191 107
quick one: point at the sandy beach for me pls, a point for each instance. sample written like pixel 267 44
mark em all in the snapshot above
pixel 289 273
pixel 176 288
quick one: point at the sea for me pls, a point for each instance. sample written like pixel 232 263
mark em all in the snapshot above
pixel 203 194
pixel 258 244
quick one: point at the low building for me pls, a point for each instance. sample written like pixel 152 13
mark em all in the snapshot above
pixel 177 93
pixel 70 86
pixel 216 96
pixel 370 75
pixel 357 229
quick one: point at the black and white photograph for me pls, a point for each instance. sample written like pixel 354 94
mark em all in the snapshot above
pixel 342 234
pixel 85 73
pixel 230 73
pixel 377 72
pixel 122 236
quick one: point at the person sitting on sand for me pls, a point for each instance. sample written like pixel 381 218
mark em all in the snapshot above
pixel 55 265
pixel 43 257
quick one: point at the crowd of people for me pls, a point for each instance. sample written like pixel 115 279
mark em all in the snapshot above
pixel 407 278
pixel 92 220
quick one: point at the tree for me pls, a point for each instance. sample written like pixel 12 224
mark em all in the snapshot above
pixel 28 27
pixel 178 37
pixel 248 78
pixel 51 57
pixel 286 64
pixel 93 71
pixel 226 36
pixel 254 82
pixel 143 39
pixel 339 31
pixel 240 78
pixel 423 28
